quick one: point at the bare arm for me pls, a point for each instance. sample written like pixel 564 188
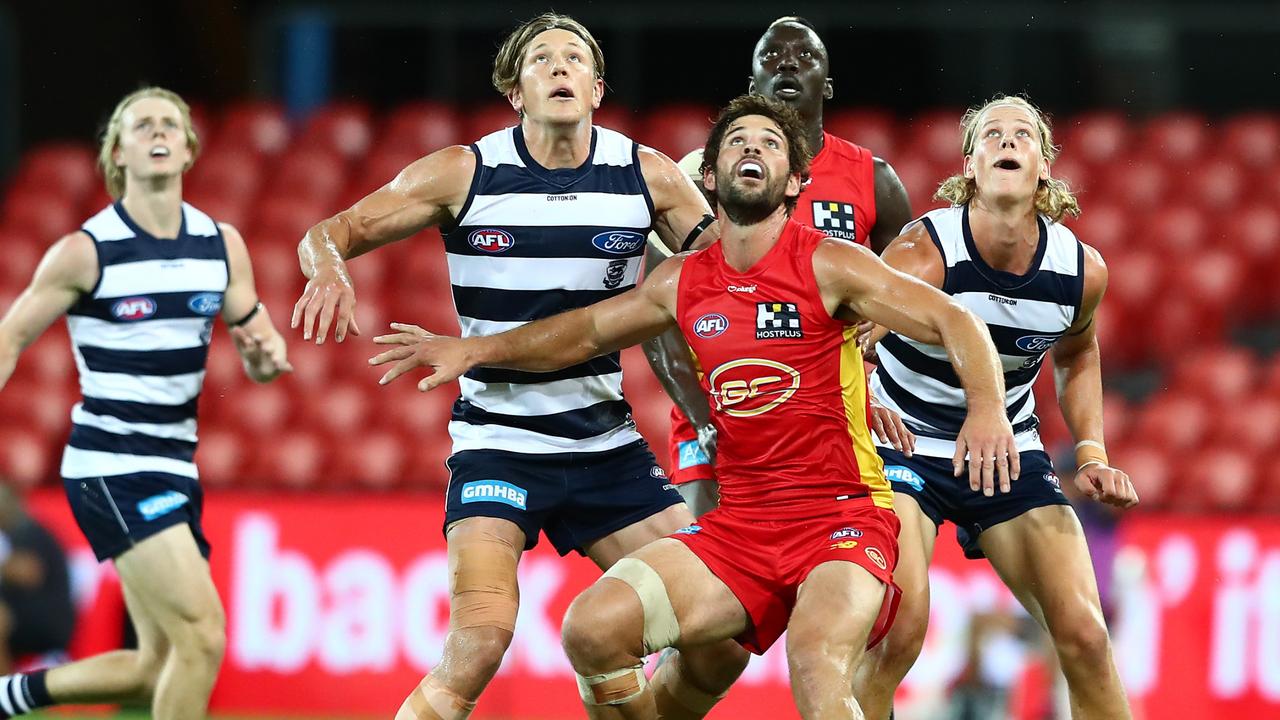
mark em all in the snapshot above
pixel 678 204
pixel 1078 376
pixel 263 351
pixel 68 269
pixel 672 363
pixel 548 344
pixel 853 278
pixel 893 207
pixel 428 192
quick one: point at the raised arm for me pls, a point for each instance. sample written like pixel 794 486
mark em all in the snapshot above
pixel 852 279
pixel 262 350
pixel 543 345
pixel 683 220
pixel 428 192
pixel 1077 371
pixel 68 269
pixel 893 207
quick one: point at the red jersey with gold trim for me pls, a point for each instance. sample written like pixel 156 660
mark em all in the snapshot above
pixel 788 394
pixel 840 199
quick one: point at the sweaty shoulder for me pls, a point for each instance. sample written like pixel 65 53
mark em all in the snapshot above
pixel 914 253
pixel 445 169
pixel 72 262
pixel 659 170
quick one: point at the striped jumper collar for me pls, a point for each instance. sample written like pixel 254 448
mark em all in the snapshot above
pixel 561 177
pixel 1002 278
pixel 137 229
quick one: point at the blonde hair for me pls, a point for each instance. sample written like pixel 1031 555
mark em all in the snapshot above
pixel 113 173
pixel 1053 196
pixel 506 65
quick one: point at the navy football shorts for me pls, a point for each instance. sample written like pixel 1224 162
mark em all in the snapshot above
pixel 575 498
pixel 943 496
pixel 117 512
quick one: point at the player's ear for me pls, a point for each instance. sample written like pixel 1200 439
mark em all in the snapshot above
pixel 597 93
pixel 794 185
pixel 1044 169
pixel 968 166
pixel 516 98
pixel 751 86
pixel 709 179
pixel 828 91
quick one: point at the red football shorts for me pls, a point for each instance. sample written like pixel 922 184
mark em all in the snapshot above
pixel 688 461
pixel 764 561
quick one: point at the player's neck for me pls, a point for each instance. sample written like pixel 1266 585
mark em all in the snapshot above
pixel 813 133
pixel 558 146
pixel 157 208
pixel 746 245
pixel 1007 236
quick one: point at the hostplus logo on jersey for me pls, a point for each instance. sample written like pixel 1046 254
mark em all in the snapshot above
pixel 491 240
pixel 710 325
pixel 618 242
pixel 777 321
pixel 134 308
pixel 495 491
pixel 834 219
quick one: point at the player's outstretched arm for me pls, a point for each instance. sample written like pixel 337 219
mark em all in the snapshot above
pixel 68 269
pixel 262 349
pixel 1077 372
pixel 543 345
pixel 852 277
pixel 427 192
pixel 684 219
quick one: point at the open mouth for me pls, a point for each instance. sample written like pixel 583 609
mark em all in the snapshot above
pixel 564 93
pixel 751 169
pixel 786 87
pixel 1008 164
pixel 160 151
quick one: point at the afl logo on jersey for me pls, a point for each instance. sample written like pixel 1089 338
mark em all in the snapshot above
pixel 134 308
pixel 752 386
pixel 491 240
pixel 710 325
pixel 618 242
pixel 1036 343
pixel 207 304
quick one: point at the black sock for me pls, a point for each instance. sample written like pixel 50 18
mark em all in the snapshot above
pixel 21 693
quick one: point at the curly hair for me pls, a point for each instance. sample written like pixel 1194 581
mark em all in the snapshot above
pixel 798 154
pixel 1053 197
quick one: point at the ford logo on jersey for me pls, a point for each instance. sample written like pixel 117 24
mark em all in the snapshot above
pixel 710 325
pixel 495 491
pixel 1036 343
pixel 491 240
pixel 618 242
pixel 207 304
pixel 134 308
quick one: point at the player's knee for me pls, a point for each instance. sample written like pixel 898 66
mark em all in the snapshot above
pixel 482 650
pixel 898 651
pixel 1083 641
pixel 713 668
pixel 202 639
pixel 602 629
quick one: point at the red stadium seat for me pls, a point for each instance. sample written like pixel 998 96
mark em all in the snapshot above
pixel 1173 421
pixel 936 134
pixel 380 168
pixel 313 365
pixel 64 169
pixel 50 410
pixel 921 179
pixel 339 408
pixel 1248 423
pixel 421 415
pixel 228 172
pixel 1212 278
pixel 1099 138
pixel 230 210
pixel 1175 139
pixel 42 214
pixel 1073 170
pixel 426 468
pixel 1253 139
pixel 1253 232
pixel 310 175
pixel 223 457
pixel 1218 184
pixel 1149 469
pixel 677 129
pixel 1223 478
pixel 489 118
pixel 1103 225
pixel 615 117
pixel 259 126
pixel 1177 322
pixel 263 410
pixel 1267 493
pixel 1222 374
pixel 293 458
pixel 284 219
pixel 27 457
pixel 345 129
pixel 370 459
pixel 1143 272
pixel 421 128
pixel 1117 416
pixel 1177 230
pixel 1133 183
pixel 22 253
pixel 872 129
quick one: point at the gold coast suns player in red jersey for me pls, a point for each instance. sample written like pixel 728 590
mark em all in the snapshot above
pixel 804 540
pixel 851 195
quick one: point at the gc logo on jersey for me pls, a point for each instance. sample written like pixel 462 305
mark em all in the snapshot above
pixel 777 320
pixel 134 308
pixel 491 240
pixel 834 218
pixel 710 325
pixel 752 386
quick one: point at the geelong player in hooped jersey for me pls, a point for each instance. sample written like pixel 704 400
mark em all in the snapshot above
pixel 141 284
pixel 803 540
pixel 1001 252
pixel 851 195
pixel 539 218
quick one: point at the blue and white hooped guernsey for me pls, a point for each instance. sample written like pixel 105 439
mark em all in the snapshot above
pixel 140 339
pixel 531 243
pixel 1026 314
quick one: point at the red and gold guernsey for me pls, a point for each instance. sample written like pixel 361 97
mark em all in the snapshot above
pixel 840 198
pixel 788 394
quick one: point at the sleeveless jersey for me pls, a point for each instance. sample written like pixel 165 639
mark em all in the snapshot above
pixel 140 339
pixel 788 394
pixel 1026 314
pixel 530 243
pixel 840 199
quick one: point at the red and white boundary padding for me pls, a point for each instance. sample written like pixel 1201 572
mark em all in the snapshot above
pixel 339 603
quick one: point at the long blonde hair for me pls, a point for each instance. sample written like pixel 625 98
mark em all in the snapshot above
pixel 1053 196
pixel 113 173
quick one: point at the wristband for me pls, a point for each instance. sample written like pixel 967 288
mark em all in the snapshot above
pixel 696 232
pixel 249 316
pixel 1089 452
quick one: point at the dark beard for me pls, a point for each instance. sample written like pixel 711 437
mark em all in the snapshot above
pixel 750 208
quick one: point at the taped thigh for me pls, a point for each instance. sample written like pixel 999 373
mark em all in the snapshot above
pixel 661 629
pixel 485 593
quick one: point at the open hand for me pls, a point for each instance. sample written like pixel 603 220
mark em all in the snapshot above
pixel 417 348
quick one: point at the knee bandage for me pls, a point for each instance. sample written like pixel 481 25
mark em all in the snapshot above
pixel 433 701
pixel 661 629
pixel 613 688
pixel 484 583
